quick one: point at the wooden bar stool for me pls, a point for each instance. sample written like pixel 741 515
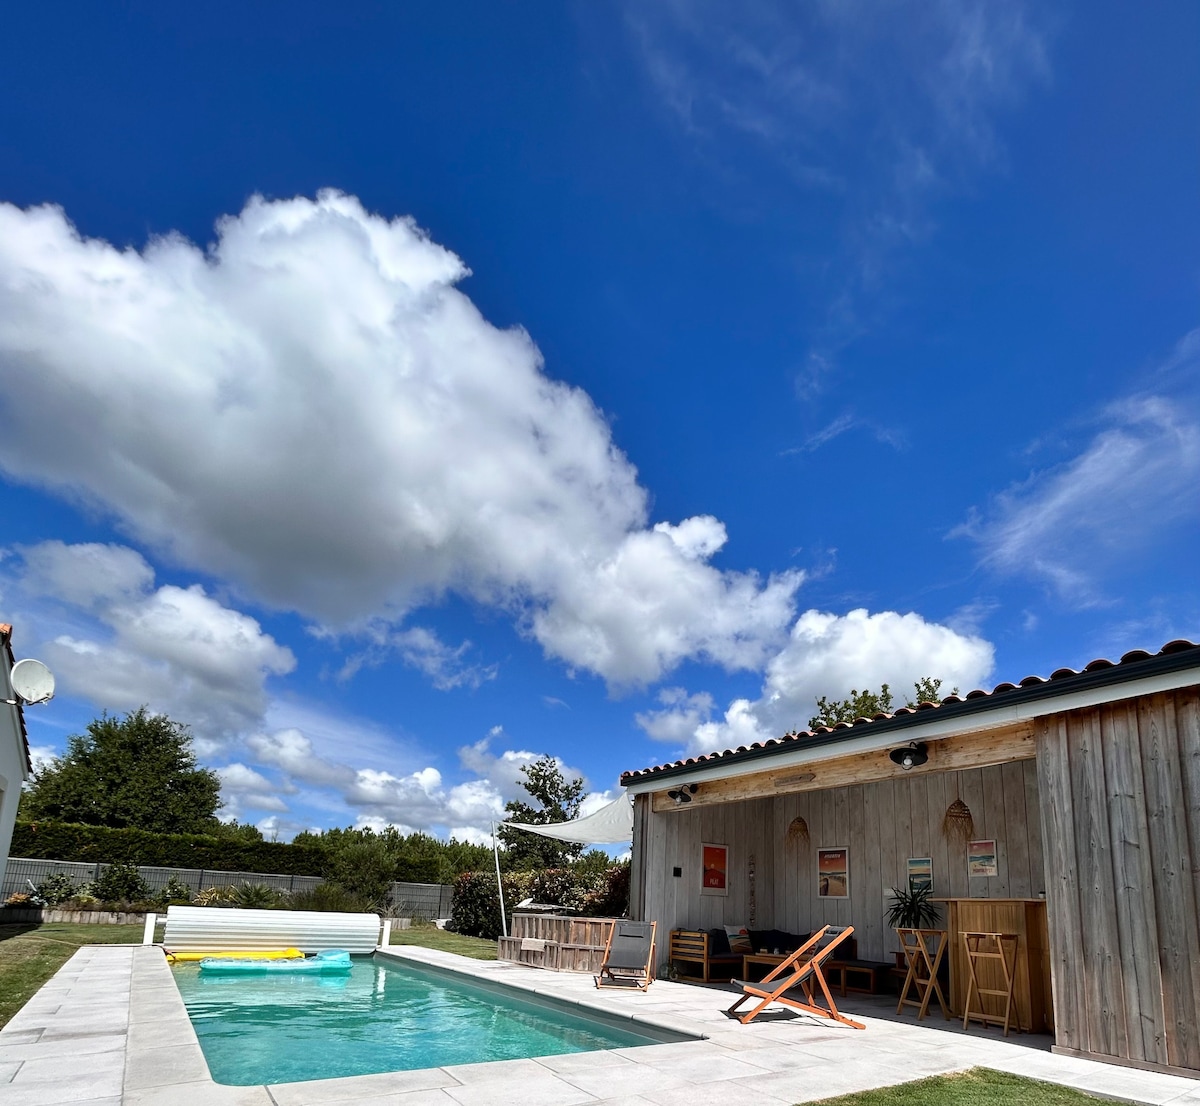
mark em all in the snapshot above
pixel 1000 948
pixel 924 950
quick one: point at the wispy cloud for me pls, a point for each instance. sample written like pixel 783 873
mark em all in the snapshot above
pixel 1136 477
pixel 880 107
pixel 848 421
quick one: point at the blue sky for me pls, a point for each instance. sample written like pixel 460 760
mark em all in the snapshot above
pixel 395 396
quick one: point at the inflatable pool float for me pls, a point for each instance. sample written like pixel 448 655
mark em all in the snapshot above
pixel 331 960
pixel 236 954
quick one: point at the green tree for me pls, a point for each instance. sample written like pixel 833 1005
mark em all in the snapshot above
pixel 867 704
pixel 927 690
pixel 859 704
pixel 237 831
pixel 559 801
pixel 135 771
pixel 365 868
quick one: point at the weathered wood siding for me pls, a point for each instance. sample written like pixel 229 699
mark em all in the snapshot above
pixel 882 823
pixel 1120 793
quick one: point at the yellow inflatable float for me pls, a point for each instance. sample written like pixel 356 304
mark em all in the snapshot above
pixel 239 954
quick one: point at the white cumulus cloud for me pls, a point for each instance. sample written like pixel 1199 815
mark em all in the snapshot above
pixel 313 410
pixel 114 639
pixel 419 800
pixel 828 655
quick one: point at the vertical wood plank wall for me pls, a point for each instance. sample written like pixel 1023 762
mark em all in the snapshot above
pixel 1120 794
pixel 882 823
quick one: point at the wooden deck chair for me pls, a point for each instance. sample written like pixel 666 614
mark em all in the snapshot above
pixel 800 972
pixel 628 956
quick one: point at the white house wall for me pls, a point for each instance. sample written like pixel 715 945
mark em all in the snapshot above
pixel 12 772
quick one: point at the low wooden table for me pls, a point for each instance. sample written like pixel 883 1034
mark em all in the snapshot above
pixel 868 972
pixel 766 959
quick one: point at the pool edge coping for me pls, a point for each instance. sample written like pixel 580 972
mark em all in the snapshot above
pixel 151 975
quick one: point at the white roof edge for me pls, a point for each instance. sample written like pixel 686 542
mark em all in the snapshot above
pixel 999 715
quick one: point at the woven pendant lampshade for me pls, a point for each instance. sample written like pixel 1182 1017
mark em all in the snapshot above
pixel 798 830
pixel 958 821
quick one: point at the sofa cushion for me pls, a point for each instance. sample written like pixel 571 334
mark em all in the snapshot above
pixel 718 942
pixel 739 939
pixel 776 940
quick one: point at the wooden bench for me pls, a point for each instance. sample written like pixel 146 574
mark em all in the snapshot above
pixel 692 946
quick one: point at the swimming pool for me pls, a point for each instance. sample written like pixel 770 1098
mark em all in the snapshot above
pixel 383 1016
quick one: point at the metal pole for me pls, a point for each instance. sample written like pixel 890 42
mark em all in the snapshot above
pixel 499 885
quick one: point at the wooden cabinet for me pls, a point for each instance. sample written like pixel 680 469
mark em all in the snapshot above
pixel 1027 919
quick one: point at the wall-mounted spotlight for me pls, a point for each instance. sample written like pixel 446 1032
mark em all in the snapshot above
pixel 913 755
pixel 684 794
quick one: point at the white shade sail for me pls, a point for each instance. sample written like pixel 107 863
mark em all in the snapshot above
pixel 610 825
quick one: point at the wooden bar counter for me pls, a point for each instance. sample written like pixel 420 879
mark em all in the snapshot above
pixel 1027 919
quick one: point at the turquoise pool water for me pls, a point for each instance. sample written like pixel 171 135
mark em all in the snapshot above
pixel 383 1016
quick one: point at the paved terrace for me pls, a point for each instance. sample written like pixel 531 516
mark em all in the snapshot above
pixel 110 1028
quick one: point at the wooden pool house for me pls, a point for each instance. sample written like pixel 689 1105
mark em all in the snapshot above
pixel 1065 810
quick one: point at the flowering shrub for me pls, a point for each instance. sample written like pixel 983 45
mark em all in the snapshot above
pixel 176 891
pixel 55 888
pixel 121 882
pixel 594 892
pixel 476 909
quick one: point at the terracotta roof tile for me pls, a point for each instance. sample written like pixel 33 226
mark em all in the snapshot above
pixel 1133 657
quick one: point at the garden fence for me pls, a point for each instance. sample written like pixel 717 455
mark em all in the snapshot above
pixel 414 900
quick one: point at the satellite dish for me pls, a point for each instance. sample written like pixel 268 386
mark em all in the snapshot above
pixel 32 681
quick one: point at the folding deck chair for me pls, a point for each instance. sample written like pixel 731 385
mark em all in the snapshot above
pixel 800 970
pixel 628 956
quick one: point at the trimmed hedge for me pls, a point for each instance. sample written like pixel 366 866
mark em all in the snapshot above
pixel 66 841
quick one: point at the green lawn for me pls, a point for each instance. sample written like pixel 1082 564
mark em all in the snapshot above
pixel 30 955
pixel 430 937
pixel 977 1087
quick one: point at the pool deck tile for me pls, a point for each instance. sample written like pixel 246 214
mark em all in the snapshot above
pixel 603 1083
pixel 111 1030
pixel 318 1092
pixel 164 1066
pixel 204 1093
pixel 547 1091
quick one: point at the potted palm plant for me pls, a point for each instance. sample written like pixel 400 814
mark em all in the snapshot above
pixel 912 908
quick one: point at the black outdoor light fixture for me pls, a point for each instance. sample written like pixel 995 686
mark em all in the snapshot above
pixel 913 755
pixel 683 794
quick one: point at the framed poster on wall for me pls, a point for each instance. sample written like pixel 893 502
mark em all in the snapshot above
pixel 981 859
pixel 833 873
pixel 715 866
pixel 920 873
